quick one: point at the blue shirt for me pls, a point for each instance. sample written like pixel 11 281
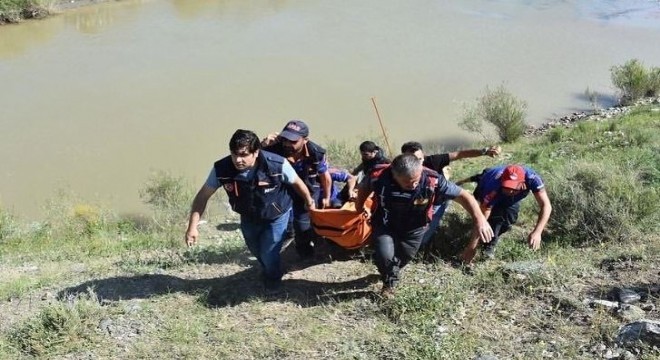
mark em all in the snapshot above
pixel 490 188
pixel 288 175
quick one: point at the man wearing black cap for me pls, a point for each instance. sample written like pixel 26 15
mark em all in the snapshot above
pixel 308 159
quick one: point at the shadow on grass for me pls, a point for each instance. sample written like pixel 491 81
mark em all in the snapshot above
pixel 228 226
pixel 220 292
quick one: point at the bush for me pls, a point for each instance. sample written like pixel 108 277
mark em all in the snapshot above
pixel 635 81
pixel 595 203
pixel 170 198
pixel 15 10
pixel 502 110
pixel 59 328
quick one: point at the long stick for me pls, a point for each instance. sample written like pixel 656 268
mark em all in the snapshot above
pixel 387 142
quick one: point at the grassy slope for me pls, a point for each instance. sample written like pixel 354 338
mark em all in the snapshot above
pixel 85 283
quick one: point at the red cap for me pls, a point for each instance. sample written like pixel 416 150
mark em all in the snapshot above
pixel 513 177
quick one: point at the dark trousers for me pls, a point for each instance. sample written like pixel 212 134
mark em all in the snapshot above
pixel 394 250
pixel 502 217
pixel 302 225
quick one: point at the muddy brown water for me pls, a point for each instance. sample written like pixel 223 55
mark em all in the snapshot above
pixel 96 99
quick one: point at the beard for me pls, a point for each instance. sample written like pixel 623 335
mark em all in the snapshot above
pixel 288 151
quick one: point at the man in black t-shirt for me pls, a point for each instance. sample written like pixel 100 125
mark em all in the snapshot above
pixel 439 162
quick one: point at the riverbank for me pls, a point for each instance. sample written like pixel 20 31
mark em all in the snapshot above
pixel 86 283
pixel 14 11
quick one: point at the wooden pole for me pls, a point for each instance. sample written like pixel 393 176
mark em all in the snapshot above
pixel 380 121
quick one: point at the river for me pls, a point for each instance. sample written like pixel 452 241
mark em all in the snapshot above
pixel 95 100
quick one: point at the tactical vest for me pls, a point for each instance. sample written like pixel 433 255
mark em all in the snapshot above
pixel 311 163
pixel 261 196
pixel 403 210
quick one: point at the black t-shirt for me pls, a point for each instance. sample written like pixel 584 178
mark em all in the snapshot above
pixel 436 162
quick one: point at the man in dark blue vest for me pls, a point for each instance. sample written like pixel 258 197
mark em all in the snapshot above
pixel 405 194
pixel 309 161
pixel 258 185
pixel 439 163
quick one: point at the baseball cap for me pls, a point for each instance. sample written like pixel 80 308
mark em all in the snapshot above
pixel 294 130
pixel 513 177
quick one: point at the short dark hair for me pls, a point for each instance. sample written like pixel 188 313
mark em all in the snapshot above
pixel 411 147
pixel 368 146
pixel 406 165
pixel 244 138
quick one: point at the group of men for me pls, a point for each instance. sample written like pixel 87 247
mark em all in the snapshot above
pixel 274 182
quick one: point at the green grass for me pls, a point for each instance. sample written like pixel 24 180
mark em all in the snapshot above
pixel 162 298
pixel 15 10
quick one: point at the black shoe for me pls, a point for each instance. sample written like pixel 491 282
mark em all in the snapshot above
pixel 305 251
pixel 272 287
pixel 489 252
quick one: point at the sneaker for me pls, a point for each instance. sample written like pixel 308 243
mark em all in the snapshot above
pixel 489 253
pixel 272 287
pixel 305 251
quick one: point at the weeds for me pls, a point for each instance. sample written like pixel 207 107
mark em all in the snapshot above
pixel 12 11
pixel 635 81
pixel 500 109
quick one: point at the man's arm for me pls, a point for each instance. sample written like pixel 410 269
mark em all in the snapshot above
pixel 491 151
pixel 271 139
pixel 351 183
pixel 364 191
pixel 196 211
pixel 301 189
pixel 326 183
pixel 481 228
pixel 534 237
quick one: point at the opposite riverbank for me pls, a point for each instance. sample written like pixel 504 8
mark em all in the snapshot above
pixel 14 11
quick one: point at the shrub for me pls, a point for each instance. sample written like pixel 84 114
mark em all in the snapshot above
pixel 654 82
pixel 170 198
pixel 635 81
pixel 59 328
pixel 502 110
pixel 596 202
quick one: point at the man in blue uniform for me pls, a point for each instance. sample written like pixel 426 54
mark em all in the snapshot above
pixel 499 192
pixel 309 161
pixel 405 193
pixel 439 162
pixel 257 183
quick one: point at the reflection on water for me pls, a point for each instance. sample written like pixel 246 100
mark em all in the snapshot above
pixel 16 39
pixel 192 9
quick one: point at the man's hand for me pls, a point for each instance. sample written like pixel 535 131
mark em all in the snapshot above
pixel 310 205
pixel 534 240
pixel 270 139
pixel 483 230
pixel 325 203
pixel 191 236
pixel 493 151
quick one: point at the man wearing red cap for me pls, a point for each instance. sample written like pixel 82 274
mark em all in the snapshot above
pixel 499 192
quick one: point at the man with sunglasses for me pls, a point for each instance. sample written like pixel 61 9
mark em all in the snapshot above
pixel 499 192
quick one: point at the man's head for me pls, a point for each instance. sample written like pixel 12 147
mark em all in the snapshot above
pixel 413 148
pixel 368 150
pixel 244 146
pixel 513 180
pixel 294 137
pixel 407 171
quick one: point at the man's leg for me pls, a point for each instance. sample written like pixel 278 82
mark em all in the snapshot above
pixel 407 245
pixel 501 220
pixel 252 231
pixel 386 261
pixel 303 226
pixel 270 243
pixel 438 212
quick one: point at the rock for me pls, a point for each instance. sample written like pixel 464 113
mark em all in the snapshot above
pixel 645 331
pixel 486 357
pixel 524 267
pixel 626 296
pixel 647 307
pixel 603 304
pixel 629 312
